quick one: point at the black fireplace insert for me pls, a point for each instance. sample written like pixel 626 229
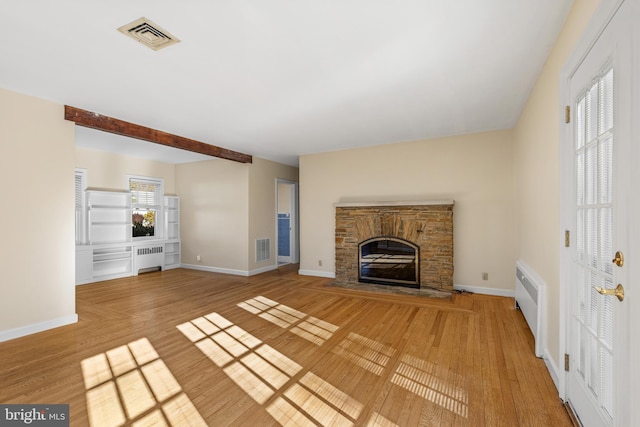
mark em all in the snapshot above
pixel 389 261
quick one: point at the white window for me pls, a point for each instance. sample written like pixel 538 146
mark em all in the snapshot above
pixel 81 186
pixel 146 206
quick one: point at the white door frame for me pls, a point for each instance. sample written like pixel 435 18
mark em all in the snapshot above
pixel 602 16
pixel 293 236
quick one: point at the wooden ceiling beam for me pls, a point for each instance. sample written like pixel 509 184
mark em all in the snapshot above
pixel 120 127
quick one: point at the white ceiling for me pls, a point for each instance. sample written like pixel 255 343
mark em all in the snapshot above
pixel 277 79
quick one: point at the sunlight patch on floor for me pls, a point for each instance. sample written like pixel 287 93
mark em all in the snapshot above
pixel 417 376
pixel 132 383
pixel 378 420
pixel 332 395
pixel 255 367
pixel 267 375
pixel 311 401
pixel 308 327
pixel 364 352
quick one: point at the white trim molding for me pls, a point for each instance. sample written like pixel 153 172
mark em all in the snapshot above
pixel 262 270
pixel 327 274
pixel 554 372
pixel 38 327
pixel 511 293
pixel 231 271
pixel 215 269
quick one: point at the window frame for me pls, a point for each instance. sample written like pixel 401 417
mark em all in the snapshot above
pixel 157 206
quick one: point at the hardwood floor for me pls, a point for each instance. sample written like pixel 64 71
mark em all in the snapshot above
pixel 184 347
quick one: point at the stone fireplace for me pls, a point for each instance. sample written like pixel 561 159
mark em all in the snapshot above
pixel 395 243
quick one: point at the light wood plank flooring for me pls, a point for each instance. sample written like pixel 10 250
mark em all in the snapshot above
pixel 184 347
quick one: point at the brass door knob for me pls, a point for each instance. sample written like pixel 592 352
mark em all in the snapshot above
pixel 617 292
pixel 619 259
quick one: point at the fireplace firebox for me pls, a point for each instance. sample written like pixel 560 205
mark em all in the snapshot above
pixel 389 261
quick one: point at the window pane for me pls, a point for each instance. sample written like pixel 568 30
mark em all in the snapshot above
pixel 606 102
pixel 143 222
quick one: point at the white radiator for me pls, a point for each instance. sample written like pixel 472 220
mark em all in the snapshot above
pixel 146 257
pixel 530 299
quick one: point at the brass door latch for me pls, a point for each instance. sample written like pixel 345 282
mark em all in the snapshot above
pixel 617 292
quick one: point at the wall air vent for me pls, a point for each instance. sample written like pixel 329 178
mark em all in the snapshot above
pixel 263 249
pixel 149 34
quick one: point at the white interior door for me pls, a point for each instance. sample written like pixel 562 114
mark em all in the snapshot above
pixel 597 382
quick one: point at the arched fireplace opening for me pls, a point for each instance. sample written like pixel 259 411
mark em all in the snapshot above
pixel 389 261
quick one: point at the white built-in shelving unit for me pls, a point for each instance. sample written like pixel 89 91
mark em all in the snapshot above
pixel 110 252
pixel 112 262
pixel 172 232
pixel 108 217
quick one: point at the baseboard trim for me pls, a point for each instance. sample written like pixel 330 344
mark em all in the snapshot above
pixel 37 327
pixel 229 270
pixel 553 370
pixel 263 270
pixel 215 269
pixel 575 420
pixel 327 274
pixel 486 291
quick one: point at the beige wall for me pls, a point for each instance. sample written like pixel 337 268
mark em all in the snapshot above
pixel 110 170
pixel 225 207
pixel 262 204
pixel 214 213
pixel 536 138
pixel 474 170
pixel 37 259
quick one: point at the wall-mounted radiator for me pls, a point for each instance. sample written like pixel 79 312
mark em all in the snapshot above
pixel 148 257
pixel 530 299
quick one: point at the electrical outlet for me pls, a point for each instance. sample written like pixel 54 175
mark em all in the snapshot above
pixel 485 276
pixel 319 263
pixel 198 258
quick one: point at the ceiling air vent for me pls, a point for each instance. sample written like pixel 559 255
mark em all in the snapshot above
pixel 149 34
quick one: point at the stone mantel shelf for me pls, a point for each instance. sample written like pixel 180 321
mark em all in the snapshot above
pixel 397 203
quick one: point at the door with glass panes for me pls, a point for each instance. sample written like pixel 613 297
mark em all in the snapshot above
pixel 597 316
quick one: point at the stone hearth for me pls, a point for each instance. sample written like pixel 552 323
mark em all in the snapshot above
pixel 427 224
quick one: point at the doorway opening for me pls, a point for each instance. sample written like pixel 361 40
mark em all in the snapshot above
pixel 287 221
